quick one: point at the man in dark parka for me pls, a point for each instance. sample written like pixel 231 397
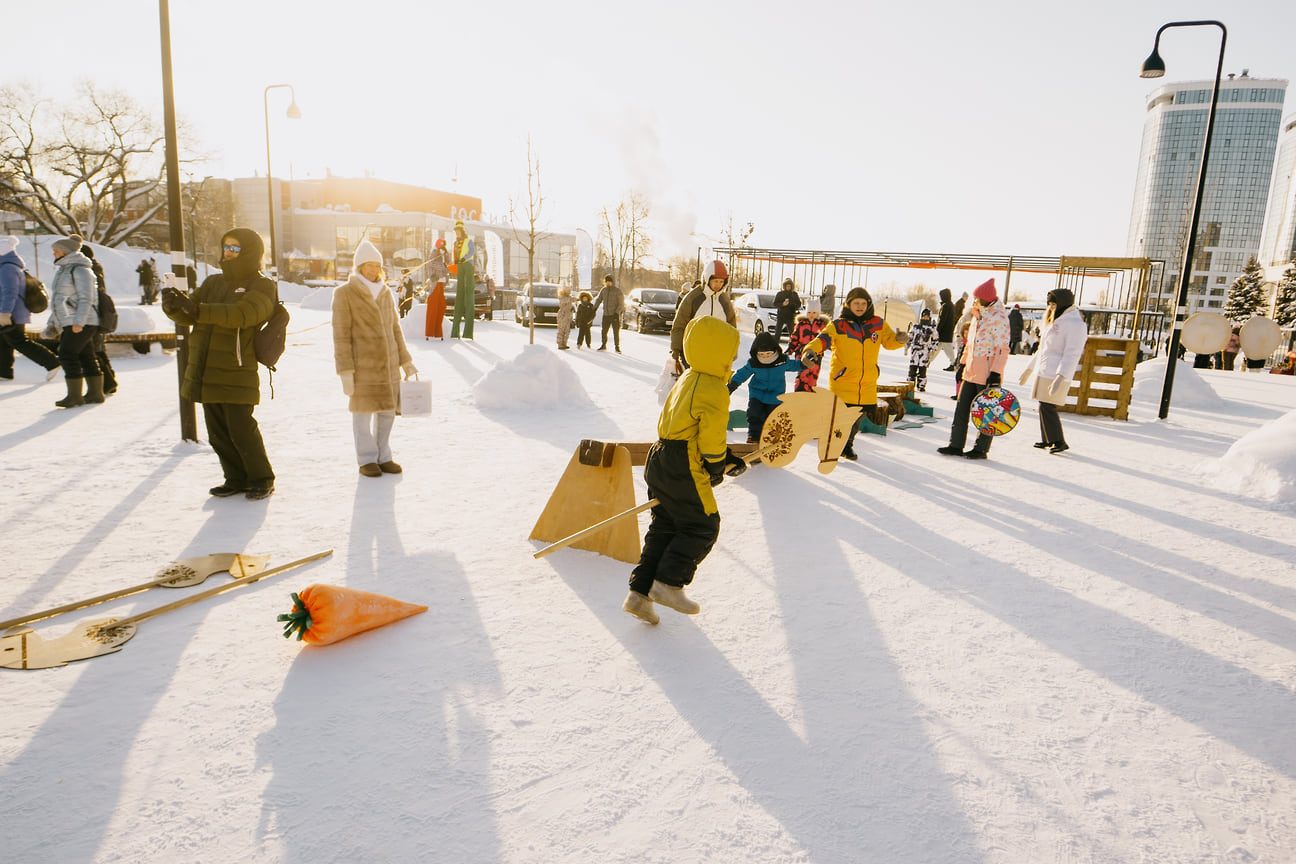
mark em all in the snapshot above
pixel 225 314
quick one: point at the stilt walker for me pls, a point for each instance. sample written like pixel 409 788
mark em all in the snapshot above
pixel 464 252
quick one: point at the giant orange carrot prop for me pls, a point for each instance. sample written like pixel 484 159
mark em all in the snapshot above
pixel 324 614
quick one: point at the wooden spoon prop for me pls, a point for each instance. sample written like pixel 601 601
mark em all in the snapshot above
pixel 25 649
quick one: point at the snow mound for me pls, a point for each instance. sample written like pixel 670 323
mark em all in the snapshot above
pixel 318 298
pixel 1262 463
pixel 1191 390
pixel 137 319
pixel 536 378
pixel 292 292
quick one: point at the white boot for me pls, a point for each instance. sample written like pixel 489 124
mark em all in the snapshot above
pixel 672 597
pixel 641 607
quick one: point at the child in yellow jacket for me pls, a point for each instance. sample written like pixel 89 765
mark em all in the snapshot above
pixel 689 457
pixel 854 338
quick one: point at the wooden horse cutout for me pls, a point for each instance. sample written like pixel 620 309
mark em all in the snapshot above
pixel 805 415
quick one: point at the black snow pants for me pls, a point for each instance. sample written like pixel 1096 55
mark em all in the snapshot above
pixel 681 532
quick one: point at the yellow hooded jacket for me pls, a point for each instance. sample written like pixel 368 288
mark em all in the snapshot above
pixel 697 409
pixel 854 347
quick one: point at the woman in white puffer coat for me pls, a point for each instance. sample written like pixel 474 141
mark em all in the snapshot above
pixel 1054 363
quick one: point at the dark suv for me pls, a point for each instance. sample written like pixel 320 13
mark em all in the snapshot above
pixel 481 299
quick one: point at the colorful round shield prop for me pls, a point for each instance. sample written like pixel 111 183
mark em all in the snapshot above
pixel 995 411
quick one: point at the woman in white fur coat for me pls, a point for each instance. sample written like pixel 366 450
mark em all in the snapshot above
pixel 369 353
pixel 1054 363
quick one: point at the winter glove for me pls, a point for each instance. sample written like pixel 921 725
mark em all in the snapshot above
pixel 410 370
pixel 809 358
pixel 348 383
pixel 173 300
pixel 732 387
pixel 6 318
pixel 993 380
pixel 716 470
pixel 734 465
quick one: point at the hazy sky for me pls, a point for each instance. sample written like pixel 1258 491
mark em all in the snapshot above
pixel 997 127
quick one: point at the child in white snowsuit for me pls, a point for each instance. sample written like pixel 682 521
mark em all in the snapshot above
pixel 921 346
pixel 689 457
pixel 767 369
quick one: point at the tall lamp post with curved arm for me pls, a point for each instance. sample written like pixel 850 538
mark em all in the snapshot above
pixel 294 113
pixel 1154 67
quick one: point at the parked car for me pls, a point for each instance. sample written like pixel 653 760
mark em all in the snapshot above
pixel 546 303
pixel 756 312
pixel 481 299
pixel 650 309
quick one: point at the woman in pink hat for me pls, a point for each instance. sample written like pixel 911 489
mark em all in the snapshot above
pixel 984 358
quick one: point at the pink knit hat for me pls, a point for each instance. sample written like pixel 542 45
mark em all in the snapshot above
pixel 985 292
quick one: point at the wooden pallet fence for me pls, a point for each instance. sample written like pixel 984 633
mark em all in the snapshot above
pixel 1106 377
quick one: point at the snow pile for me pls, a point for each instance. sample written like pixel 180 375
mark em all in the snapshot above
pixel 1261 463
pixel 292 292
pixel 318 298
pixel 536 378
pixel 139 319
pixel 1190 391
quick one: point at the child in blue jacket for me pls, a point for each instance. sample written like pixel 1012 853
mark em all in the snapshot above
pixel 766 369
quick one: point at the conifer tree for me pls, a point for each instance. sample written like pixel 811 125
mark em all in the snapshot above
pixel 1285 314
pixel 1246 295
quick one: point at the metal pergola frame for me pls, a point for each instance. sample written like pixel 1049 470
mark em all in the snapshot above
pixel 1132 286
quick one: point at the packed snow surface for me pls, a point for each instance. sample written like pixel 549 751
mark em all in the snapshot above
pixel 1080 658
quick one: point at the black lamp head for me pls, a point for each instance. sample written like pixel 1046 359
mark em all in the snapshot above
pixel 1153 66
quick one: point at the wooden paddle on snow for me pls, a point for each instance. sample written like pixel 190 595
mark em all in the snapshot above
pixel 25 649
pixel 183 573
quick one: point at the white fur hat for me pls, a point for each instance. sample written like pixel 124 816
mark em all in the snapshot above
pixel 365 253
pixel 8 243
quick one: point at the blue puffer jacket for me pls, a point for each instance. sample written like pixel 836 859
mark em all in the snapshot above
pixel 768 381
pixel 13 286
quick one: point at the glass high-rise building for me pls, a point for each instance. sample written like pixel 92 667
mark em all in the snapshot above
pixel 1278 240
pixel 1247 121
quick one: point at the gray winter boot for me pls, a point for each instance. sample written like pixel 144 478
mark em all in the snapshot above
pixel 641 607
pixel 73 397
pixel 94 388
pixel 672 597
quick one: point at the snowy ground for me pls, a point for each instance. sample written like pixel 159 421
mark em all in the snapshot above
pixel 1079 658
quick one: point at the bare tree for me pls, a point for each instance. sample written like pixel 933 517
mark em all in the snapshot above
pixel 91 168
pixel 534 206
pixel 623 236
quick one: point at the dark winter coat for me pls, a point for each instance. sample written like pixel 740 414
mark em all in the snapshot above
pixel 232 305
pixel 611 300
pixel 584 313
pixel 788 303
pixel 1014 325
pixel 768 381
pixel 13 288
pixel 946 318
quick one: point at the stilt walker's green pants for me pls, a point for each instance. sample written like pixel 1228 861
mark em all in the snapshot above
pixel 465 295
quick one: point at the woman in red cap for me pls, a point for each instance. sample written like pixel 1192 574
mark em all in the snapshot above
pixel 984 358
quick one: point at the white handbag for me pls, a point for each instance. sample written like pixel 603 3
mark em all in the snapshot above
pixel 415 398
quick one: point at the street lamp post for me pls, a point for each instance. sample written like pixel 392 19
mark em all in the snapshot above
pixel 1154 67
pixel 294 113
pixel 31 229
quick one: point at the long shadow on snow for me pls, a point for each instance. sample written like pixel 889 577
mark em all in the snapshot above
pixel 65 567
pixel 839 800
pixel 1227 701
pixel 75 744
pixel 401 697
